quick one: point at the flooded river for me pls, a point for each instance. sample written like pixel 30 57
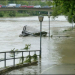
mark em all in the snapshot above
pixel 55 50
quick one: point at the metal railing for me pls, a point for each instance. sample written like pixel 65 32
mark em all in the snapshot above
pixel 14 58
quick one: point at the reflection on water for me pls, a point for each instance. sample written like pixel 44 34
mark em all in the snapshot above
pixel 55 50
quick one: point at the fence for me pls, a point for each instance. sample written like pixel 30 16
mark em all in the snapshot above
pixel 14 58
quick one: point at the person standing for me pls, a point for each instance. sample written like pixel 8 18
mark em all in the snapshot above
pixel 24 29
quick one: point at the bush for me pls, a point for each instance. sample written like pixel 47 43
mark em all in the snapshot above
pixel 1 14
pixel 12 13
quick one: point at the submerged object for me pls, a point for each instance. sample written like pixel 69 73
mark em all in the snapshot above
pixel 26 33
pixel 43 33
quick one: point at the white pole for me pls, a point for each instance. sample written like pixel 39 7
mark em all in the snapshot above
pixel 49 21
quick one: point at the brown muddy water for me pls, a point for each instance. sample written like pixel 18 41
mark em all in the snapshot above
pixel 55 50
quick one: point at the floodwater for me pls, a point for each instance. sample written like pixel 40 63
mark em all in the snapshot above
pixel 55 50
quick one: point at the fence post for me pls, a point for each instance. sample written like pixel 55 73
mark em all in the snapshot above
pixel 5 60
pixel 14 59
pixel 29 57
pixel 22 57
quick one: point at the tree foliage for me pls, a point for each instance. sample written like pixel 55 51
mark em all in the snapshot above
pixel 1 13
pixel 12 13
pixel 64 7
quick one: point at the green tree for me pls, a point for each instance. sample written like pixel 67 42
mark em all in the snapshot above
pixel 12 13
pixel 49 3
pixel 1 13
pixel 3 2
pixel 64 7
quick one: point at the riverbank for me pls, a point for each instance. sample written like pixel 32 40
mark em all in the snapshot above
pixel 52 49
pixel 68 47
pixel 10 68
pixel 21 13
pixel 66 50
pixel 70 31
